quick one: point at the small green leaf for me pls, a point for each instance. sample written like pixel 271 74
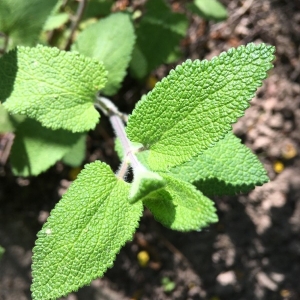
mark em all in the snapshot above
pixel 159 12
pixel 226 168
pixel 84 233
pixel 144 183
pixel 23 20
pixel 180 206
pixel 158 34
pixel 209 9
pixel 111 41
pixel 76 155
pixel 37 148
pixel 195 105
pixel 95 8
pixel 54 87
pixel 9 123
pixel 2 250
pixel 56 21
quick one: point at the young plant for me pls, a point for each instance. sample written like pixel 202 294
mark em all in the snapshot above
pixel 178 142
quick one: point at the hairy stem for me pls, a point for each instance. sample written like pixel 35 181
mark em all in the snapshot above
pixel 119 128
pixel 117 120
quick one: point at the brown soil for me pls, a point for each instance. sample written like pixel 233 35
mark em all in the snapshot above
pixel 253 252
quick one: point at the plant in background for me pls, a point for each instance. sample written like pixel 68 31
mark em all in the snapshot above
pixel 178 141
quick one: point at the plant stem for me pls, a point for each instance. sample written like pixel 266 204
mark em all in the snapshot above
pixel 75 22
pixel 119 128
pixel 117 120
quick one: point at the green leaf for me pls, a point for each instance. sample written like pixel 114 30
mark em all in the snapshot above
pixel 225 169
pixel 158 12
pixel 84 233
pixel 111 41
pixel 138 65
pixel 158 34
pixel 23 20
pixel 8 123
pixel 56 21
pixel 94 8
pixel 209 9
pixel 76 155
pixel 195 105
pixel 180 206
pixel 37 148
pixel 54 87
pixel 144 183
pixel 2 250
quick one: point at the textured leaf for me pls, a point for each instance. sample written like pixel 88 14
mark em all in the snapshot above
pixel 37 148
pixel 144 183
pixel 209 9
pixel 111 41
pixel 23 20
pixel 54 87
pixel 158 34
pixel 225 169
pixel 195 105
pixel 84 233
pixel 76 155
pixel 8 123
pixel 180 206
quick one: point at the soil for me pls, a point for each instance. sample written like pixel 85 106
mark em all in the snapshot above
pixel 253 252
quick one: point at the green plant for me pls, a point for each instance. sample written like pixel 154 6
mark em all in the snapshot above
pixel 177 138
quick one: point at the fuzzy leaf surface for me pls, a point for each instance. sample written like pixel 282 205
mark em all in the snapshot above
pixel 195 105
pixel 111 41
pixel 37 148
pixel 54 87
pixel 23 20
pixel 180 206
pixel 84 232
pixel 227 168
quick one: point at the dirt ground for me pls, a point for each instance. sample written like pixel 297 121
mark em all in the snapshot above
pixel 253 252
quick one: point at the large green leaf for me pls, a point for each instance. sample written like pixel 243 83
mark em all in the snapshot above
pixel 37 148
pixel 23 20
pixel 84 233
pixel 226 168
pixel 54 87
pixel 111 41
pixel 195 105
pixel 180 206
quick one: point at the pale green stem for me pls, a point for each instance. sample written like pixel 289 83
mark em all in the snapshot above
pixel 116 119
